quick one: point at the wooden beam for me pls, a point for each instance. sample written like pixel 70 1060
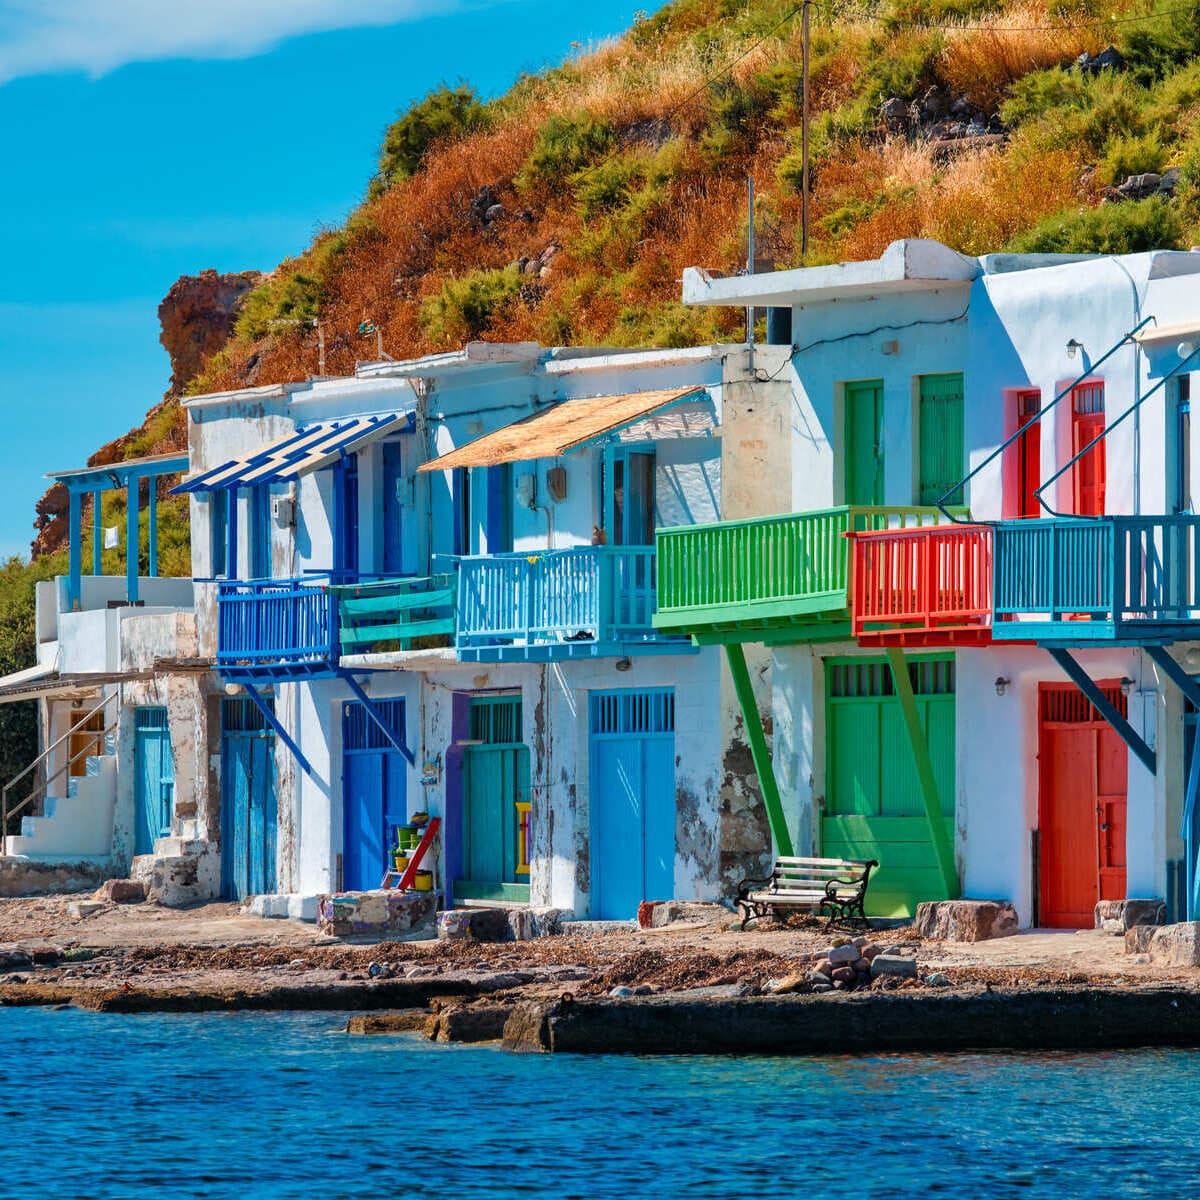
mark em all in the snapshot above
pixel 919 744
pixel 373 713
pixel 758 748
pixel 271 719
pixel 1084 682
pixel 1174 672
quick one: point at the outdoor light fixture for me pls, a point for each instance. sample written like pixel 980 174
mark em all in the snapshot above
pixel 1126 685
pixel 1185 349
pixel 623 664
pixel 1073 348
pixel 1001 685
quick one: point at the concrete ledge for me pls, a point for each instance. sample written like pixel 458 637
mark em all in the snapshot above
pixel 860 1024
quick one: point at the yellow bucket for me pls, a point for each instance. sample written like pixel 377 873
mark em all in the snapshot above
pixel 423 881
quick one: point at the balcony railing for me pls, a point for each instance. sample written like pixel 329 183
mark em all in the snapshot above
pixel 588 600
pixel 1088 579
pixel 929 586
pixel 396 614
pixel 276 629
pixel 787 574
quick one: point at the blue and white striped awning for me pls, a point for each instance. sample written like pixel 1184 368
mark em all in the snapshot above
pixel 306 450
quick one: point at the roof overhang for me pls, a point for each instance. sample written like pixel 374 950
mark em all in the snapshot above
pixel 107 476
pixel 297 454
pixel 44 682
pixel 913 264
pixel 1181 331
pixel 568 425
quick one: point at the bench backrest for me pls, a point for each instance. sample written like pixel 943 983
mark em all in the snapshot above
pixel 809 874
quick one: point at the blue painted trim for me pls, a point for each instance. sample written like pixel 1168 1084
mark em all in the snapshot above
pixel 116 475
pixel 97 534
pixel 1084 682
pixel 281 733
pixel 373 712
pixel 152 528
pixel 74 550
pixel 132 539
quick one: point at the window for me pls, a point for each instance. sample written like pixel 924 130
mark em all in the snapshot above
pixel 460 487
pixel 940 438
pixel 1089 473
pixel 218 517
pixel 499 509
pixel 259 511
pixel 1183 444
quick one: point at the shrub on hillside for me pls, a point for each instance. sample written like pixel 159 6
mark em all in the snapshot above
pixel 444 113
pixel 1111 229
pixel 1127 156
pixel 1155 47
pixel 467 305
pixel 564 146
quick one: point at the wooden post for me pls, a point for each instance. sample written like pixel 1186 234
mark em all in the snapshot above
pixel 919 745
pixel 97 533
pixel 804 182
pixel 758 747
pixel 132 540
pixel 152 525
pixel 75 549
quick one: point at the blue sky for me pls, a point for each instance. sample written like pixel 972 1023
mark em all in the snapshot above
pixel 146 139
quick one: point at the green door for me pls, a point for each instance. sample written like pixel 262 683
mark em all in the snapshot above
pixel 862 450
pixel 873 805
pixel 495 782
pixel 939 437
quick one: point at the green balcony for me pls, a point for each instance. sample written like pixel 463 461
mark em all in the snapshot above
pixel 769 579
pixel 396 614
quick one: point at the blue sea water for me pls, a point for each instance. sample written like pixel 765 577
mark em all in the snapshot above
pixel 286 1107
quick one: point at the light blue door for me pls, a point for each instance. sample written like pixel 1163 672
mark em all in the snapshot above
pixel 249 818
pixel 632 799
pixel 374 786
pixel 393 510
pixel 154 778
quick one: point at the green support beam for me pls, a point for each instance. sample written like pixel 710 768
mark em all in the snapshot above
pixel 919 745
pixel 758 747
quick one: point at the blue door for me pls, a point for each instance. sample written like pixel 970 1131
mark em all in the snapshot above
pixel 374 784
pixel 1186 907
pixel 249 818
pixel 345 519
pixel 154 778
pixel 632 792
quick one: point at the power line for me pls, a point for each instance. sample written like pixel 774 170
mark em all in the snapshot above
pixel 1097 23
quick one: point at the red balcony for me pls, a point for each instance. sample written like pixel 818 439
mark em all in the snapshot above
pixel 930 586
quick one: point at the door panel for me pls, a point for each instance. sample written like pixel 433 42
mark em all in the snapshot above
pixel 495 779
pixel 154 779
pixel 862 452
pixel 940 437
pixel 1089 473
pixel 249 817
pixel 393 510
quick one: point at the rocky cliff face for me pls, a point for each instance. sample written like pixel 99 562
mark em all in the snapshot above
pixel 197 316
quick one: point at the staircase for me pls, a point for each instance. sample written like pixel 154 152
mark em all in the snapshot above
pixel 76 823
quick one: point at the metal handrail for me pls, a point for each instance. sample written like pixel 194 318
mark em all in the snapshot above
pixel 43 787
pixel 1107 430
pixel 944 502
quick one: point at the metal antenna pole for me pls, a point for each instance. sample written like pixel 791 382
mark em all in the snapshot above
pixel 804 128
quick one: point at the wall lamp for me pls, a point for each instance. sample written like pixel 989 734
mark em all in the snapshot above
pixel 1001 685
pixel 1073 348
pixel 623 664
pixel 1126 685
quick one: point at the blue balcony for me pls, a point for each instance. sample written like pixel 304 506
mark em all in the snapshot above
pixel 587 601
pixel 276 629
pixel 1104 579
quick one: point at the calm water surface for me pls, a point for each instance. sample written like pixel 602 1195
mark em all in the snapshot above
pixel 283 1106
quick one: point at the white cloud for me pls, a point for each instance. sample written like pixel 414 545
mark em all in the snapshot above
pixel 96 36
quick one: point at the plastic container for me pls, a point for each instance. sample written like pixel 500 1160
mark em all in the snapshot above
pixel 423 881
pixel 401 861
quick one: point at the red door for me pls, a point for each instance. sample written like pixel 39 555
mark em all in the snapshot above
pixel 1029 455
pixel 1089 473
pixel 1083 769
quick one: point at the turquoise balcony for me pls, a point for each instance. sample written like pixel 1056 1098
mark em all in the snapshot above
pixel 587 601
pixel 1080 580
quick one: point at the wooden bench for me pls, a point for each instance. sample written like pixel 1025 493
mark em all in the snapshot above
pixel 836 885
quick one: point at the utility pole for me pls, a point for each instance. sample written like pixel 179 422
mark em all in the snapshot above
pixel 804 127
pixel 750 259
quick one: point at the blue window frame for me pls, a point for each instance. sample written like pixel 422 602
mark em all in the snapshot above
pixel 218 516
pixel 259 510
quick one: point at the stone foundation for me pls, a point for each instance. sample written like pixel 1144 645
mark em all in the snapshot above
pixel 499 924
pixel 385 916
pixel 190 874
pixel 30 877
pixel 965 920
pixel 1117 916
pixel 1166 945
